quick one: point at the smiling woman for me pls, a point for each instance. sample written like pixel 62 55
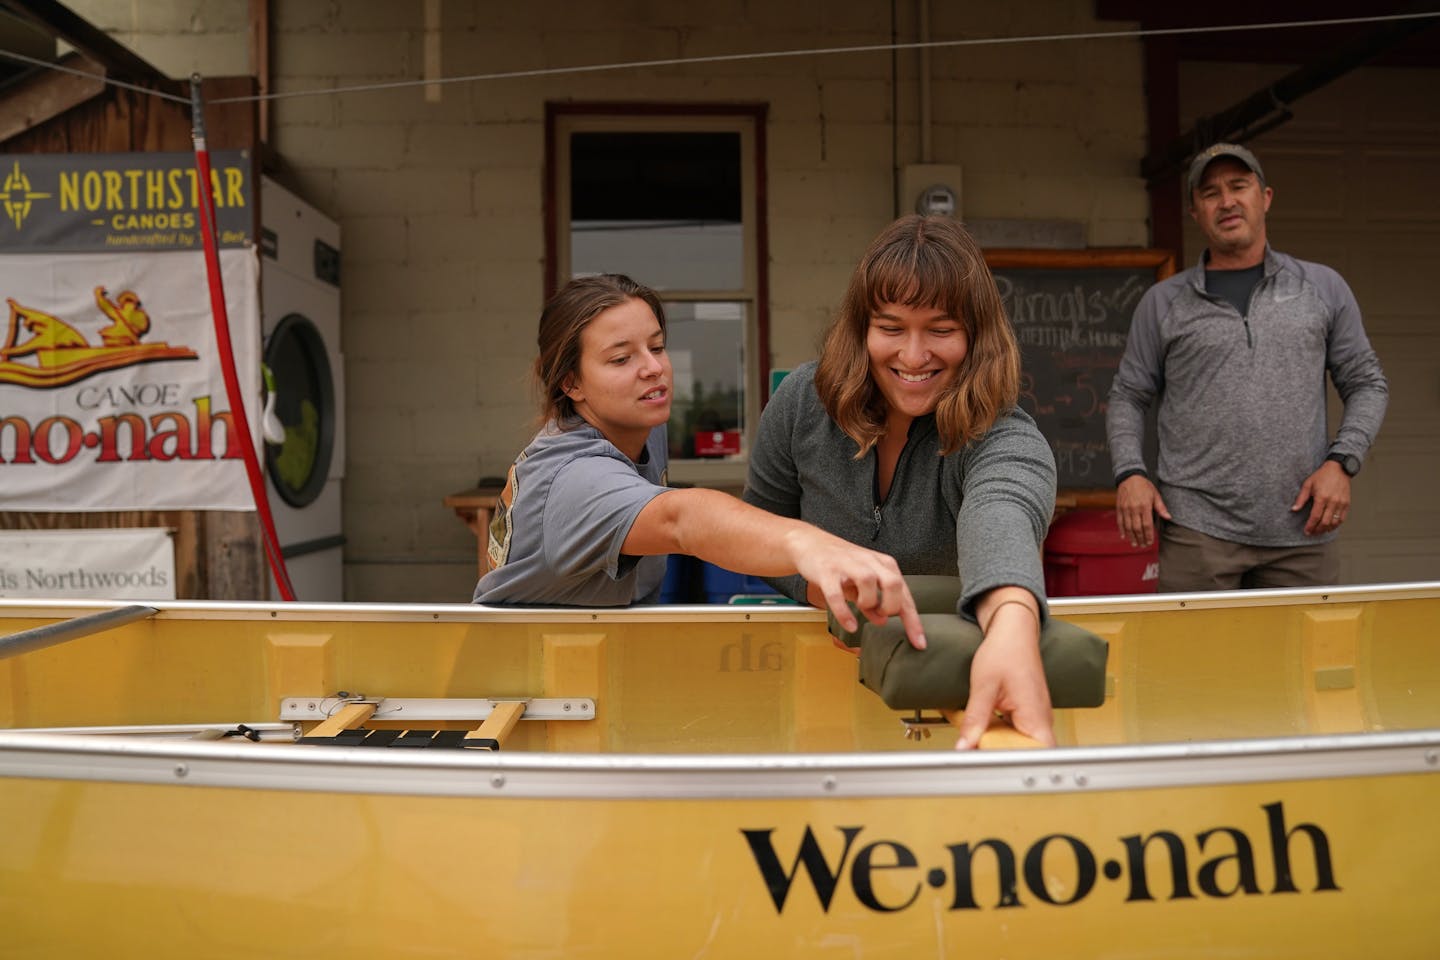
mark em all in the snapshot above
pixel 585 518
pixel 906 436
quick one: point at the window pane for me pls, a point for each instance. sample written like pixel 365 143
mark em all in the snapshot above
pixel 661 207
pixel 706 345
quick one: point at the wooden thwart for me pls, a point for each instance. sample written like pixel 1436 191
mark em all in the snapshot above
pixel 1000 735
pixel 497 726
pixel 350 715
pixel 344 728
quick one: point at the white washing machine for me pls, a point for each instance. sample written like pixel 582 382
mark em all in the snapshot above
pixel 300 307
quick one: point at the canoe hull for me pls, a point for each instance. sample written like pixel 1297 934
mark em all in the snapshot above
pixel 994 855
pixel 1260 783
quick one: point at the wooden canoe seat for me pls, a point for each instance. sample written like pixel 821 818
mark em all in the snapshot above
pixel 345 726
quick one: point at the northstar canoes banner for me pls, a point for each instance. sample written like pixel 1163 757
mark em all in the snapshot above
pixel 111 390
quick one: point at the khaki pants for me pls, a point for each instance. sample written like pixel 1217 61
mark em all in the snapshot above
pixel 1191 561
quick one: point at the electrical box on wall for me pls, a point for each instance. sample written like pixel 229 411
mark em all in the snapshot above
pixel 930 188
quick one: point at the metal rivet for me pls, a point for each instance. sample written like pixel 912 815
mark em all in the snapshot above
pixel 828 783
pixel 497 781
pixel 567 707
pixel 1081 779
pixel 312 706
pixel 1028 781
pixel 1056 779
pixel 182 769
pixel 1431 757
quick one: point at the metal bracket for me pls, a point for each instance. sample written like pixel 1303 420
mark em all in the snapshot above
pixel 399 709
pixel 917 726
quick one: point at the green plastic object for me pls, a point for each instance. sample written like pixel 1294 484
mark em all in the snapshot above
pixel 938 677
pixel 762 600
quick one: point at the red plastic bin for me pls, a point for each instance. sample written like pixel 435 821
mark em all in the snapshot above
pixel 1085 556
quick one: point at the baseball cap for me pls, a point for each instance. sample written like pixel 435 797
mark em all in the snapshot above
pixel 1215 152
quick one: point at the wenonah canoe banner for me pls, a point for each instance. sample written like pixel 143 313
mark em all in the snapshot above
pixel 111 390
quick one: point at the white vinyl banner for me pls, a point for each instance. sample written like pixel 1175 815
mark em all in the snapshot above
pixel 111 390
pixel 126 564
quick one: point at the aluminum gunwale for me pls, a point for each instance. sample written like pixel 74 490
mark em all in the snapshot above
pixel 712 613
pixel 355 770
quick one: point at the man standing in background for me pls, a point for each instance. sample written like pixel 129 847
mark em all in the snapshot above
pixel 1252 490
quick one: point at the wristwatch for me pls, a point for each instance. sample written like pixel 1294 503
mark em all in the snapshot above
pixel 1349 463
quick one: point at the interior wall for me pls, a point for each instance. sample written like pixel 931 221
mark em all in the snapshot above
pixel 440 200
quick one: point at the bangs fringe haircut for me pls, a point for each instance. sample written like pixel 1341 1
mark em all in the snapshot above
pixel 921 262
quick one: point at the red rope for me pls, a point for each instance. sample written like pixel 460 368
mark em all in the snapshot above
pixel 206 203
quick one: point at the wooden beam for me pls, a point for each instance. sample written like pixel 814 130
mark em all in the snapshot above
pixel 501 721
pixel 350 715
pixel 260 63
pixel 44 96
pixel 60 21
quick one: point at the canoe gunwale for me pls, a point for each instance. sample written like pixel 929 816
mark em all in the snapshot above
pixel 47 756
pixel 708 613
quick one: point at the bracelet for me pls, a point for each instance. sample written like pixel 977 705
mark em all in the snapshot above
pixel 985 630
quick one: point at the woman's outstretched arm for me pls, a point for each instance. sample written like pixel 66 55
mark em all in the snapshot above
pixel 724 530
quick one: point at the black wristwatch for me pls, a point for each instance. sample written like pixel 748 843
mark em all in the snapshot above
pixel 1350 464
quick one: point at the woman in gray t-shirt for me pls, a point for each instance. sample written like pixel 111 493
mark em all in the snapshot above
pixel 585 518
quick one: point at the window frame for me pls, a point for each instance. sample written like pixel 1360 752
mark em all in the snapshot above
pixel 747 119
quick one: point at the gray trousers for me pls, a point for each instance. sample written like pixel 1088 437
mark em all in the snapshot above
pixel 1192 561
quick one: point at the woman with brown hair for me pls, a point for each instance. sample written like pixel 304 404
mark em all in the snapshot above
pixel 906 437
pixel 585 518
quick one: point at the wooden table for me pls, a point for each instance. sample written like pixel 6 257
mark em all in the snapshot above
pixel 476 506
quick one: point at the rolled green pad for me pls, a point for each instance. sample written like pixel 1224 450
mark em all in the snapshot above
pixel 938 677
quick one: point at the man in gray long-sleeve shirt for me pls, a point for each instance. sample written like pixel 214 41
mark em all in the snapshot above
pixel 1252 489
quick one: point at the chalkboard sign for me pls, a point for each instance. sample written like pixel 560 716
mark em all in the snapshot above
pixel 1071 312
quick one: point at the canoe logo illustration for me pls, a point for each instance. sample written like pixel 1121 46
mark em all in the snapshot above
pixel 55 353
pixel 17 197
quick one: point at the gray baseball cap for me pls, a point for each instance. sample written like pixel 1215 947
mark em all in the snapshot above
pixel 1204 158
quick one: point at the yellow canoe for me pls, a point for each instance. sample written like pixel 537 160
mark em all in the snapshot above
pixel 709 782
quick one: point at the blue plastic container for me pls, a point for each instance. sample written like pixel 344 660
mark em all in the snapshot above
pixel 720 584
pixel 675 588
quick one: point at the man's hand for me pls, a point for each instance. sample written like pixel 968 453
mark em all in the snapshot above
pixel 1329 489
pixel 1136 503
pixel 842 573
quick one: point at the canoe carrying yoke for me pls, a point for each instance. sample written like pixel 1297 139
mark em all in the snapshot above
pixel 341 718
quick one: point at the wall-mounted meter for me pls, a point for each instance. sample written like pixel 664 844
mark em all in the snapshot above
pixel 936 199
pixel 931 189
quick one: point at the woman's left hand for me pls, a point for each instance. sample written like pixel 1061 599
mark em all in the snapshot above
pixel 1006 675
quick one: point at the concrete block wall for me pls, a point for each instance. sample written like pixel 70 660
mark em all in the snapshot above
pixel 441 203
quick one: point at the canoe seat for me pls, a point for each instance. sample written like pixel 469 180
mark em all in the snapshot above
pixel 344 729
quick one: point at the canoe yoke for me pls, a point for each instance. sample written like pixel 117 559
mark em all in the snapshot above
pixel 341 718
pixel 1000 735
